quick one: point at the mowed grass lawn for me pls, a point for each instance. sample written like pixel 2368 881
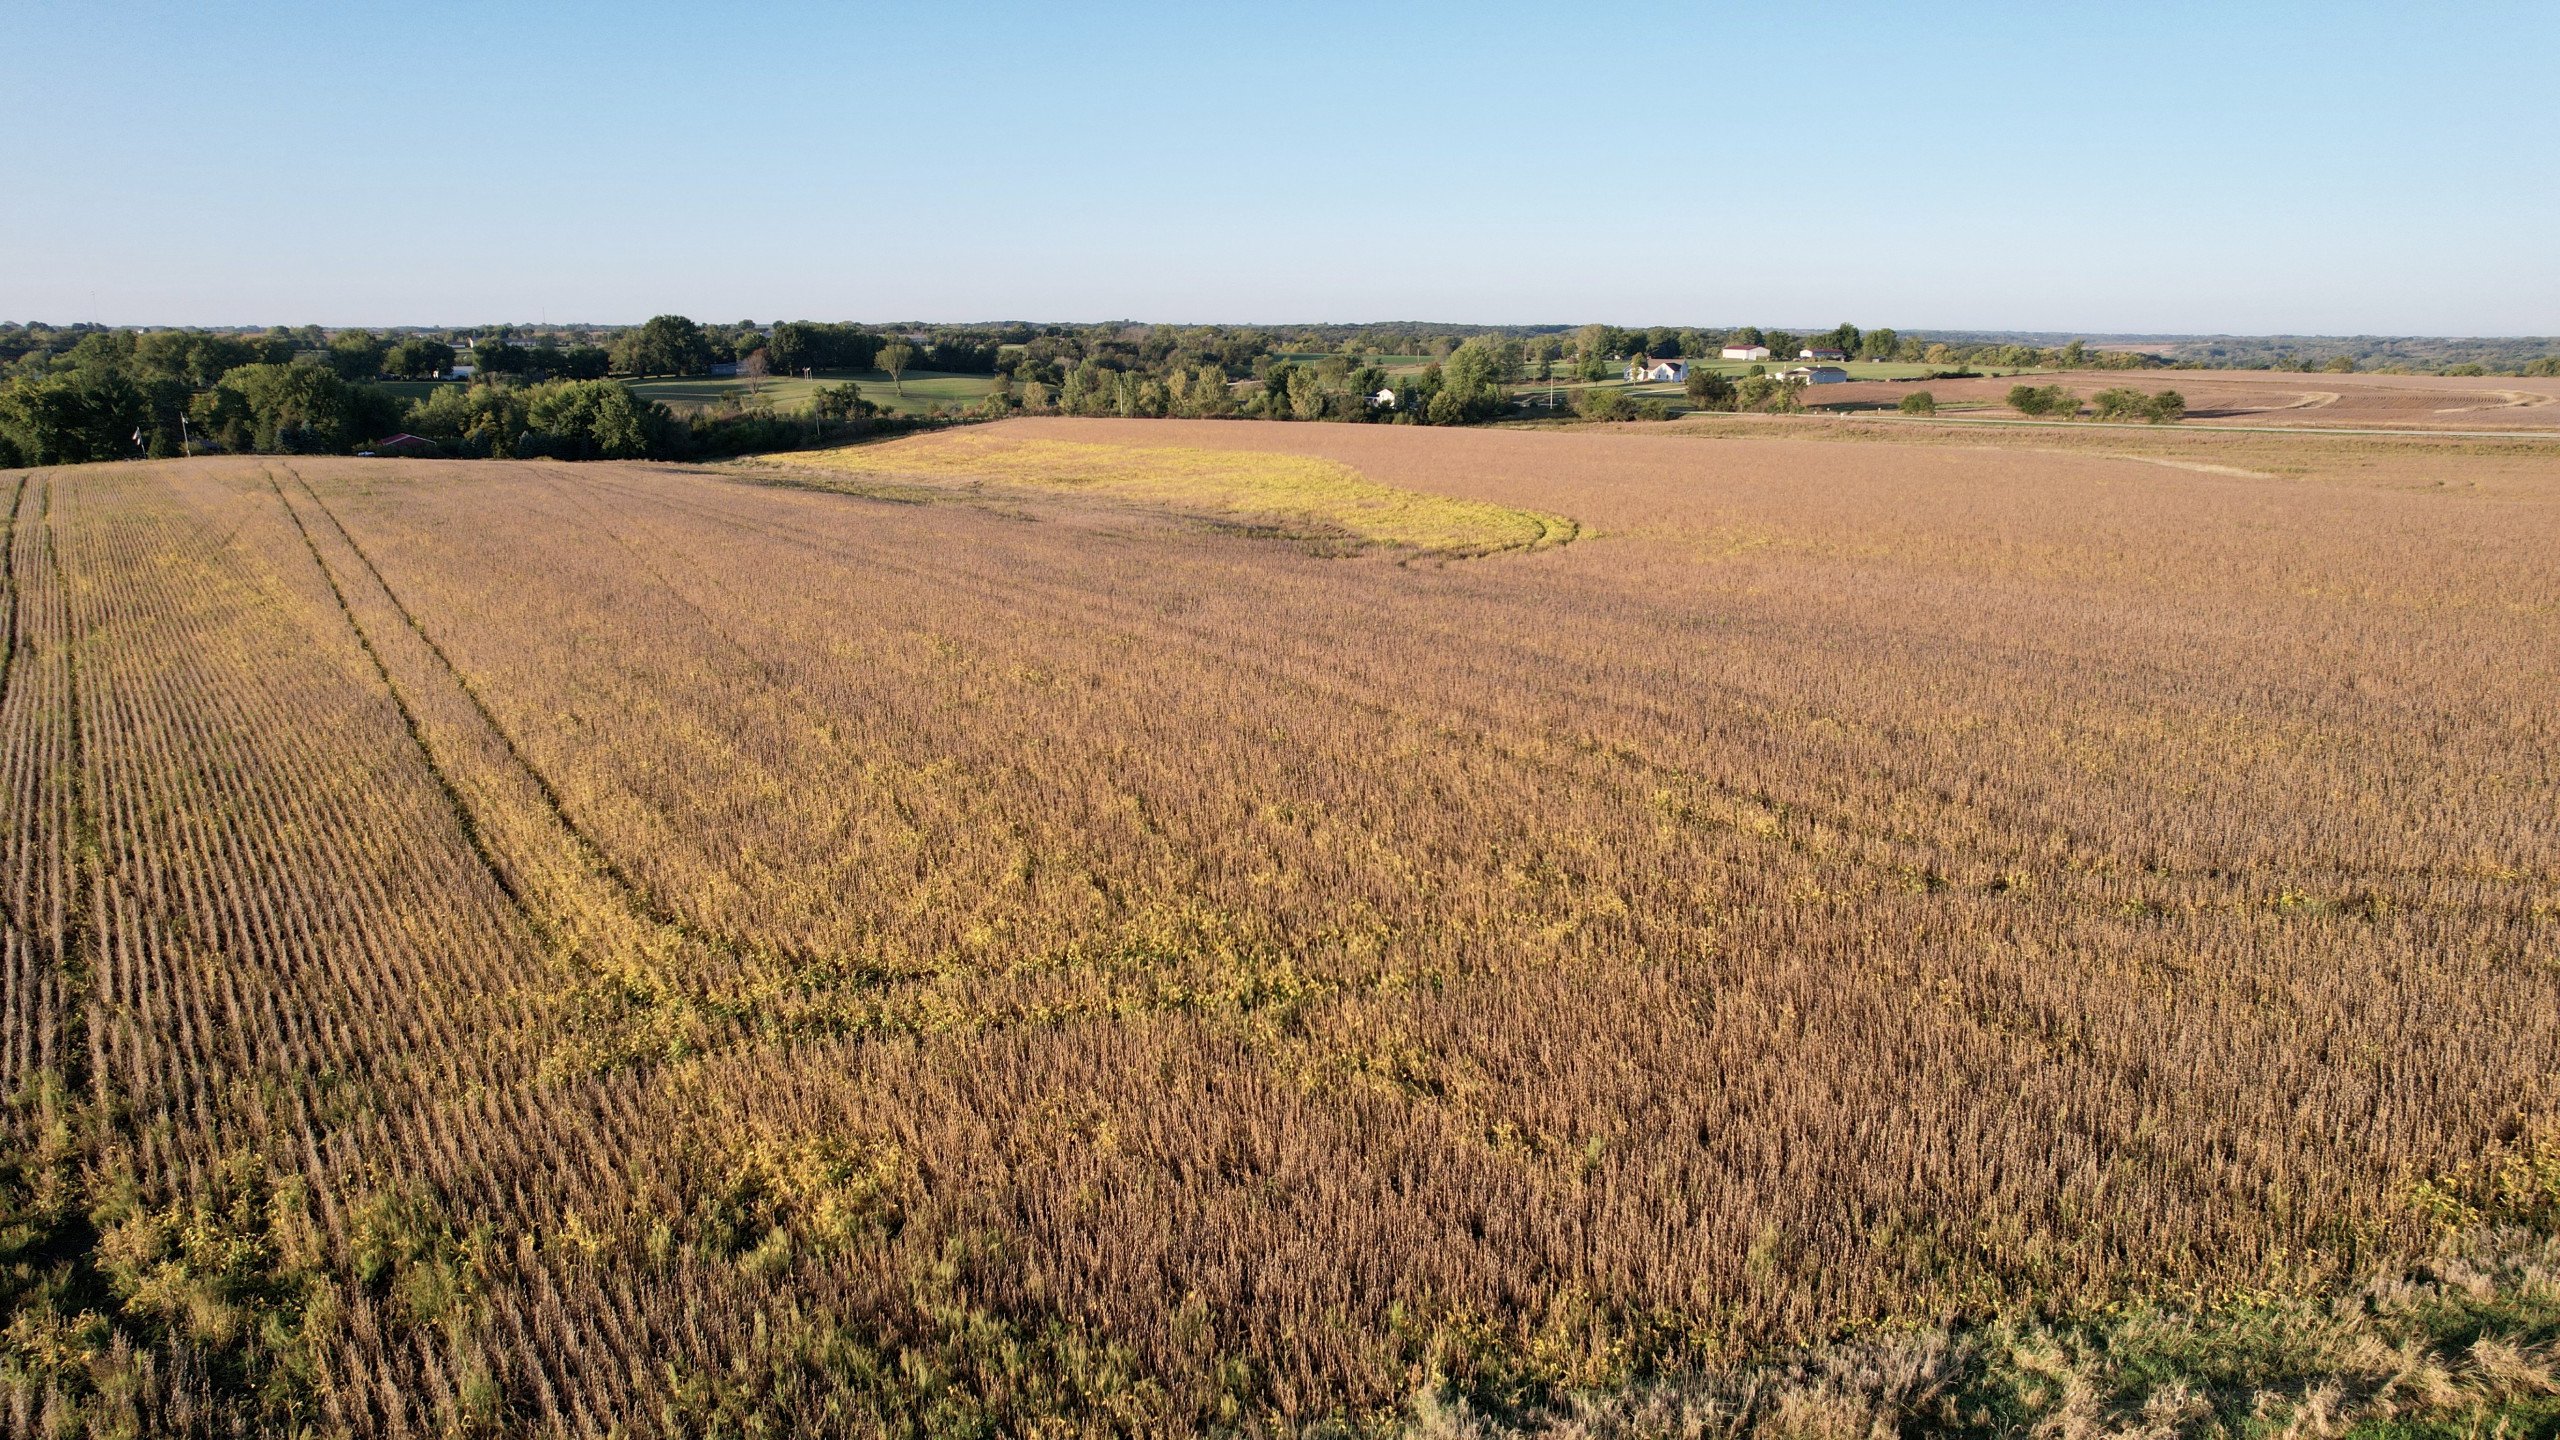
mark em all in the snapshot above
pixel 1858 369
pixel 1388 362
pixel 1736 369
pixel 786 393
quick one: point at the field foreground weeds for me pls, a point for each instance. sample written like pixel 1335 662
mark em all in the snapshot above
pixel 2466 1344
pixel 1297 496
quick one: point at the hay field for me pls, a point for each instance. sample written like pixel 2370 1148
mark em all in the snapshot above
pixel 786 394
pixel 1021 934
pixel 1315 501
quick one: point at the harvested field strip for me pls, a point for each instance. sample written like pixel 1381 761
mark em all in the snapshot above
pixel 1357 682
pixel 2003 839
pixel 2188 426
pixel 660 983
pixel 9 584
pixel 1296 981
pixel 2506 400
pixel 46 1013
pixel 1337 662
pixel 136 725
pixel 654 984
pixel 1245 485
pixel 2212 891
pixel 974 991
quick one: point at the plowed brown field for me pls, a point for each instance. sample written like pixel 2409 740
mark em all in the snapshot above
pixel 625 949
pixel 2247 397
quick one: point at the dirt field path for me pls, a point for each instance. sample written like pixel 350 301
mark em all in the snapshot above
pixel 2508 400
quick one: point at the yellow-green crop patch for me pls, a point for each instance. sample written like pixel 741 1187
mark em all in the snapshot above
pixel 1293 494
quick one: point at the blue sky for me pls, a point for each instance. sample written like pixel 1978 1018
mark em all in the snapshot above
pixel 2342 168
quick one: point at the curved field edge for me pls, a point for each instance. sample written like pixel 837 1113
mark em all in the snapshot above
pixel 1263 490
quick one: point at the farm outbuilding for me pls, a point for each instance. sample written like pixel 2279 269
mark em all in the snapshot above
pixel 1818 375
pixel 1819 352
pixel 1746 352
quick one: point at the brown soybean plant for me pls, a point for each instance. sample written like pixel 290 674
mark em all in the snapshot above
pixel 528 948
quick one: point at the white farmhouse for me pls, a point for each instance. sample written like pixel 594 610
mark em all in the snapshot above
pixel 1746 352
pixel 1641 371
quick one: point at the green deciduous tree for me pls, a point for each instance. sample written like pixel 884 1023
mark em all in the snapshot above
pixel 416 358
pixel 593 420
pixel 895 358
pixel 2119 403
pixel 1609 403
pixel 1709 390
pixel 496 356
pixel 471 420
pixel 193 358
pixel 664 345
pixel 292 409
pixel 356 354
pixel 838 402
pixel 75 417
pixel 1481 362
pixel 2038 401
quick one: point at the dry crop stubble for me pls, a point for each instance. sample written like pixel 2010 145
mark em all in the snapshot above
pixel 702 948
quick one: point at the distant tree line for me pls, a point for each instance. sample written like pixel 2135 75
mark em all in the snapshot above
pixel 120 395
pixel 2308 354
pixel 86 392
pixel 674 345
pixel 1212 372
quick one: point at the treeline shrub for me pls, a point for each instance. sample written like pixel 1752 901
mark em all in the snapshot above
pixel 1709 390
pixel 292 409
pixel 2043 400
pixel 2125 403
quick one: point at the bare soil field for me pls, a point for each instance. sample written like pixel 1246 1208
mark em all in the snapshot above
pixel 1125 927
pixel 2251 397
